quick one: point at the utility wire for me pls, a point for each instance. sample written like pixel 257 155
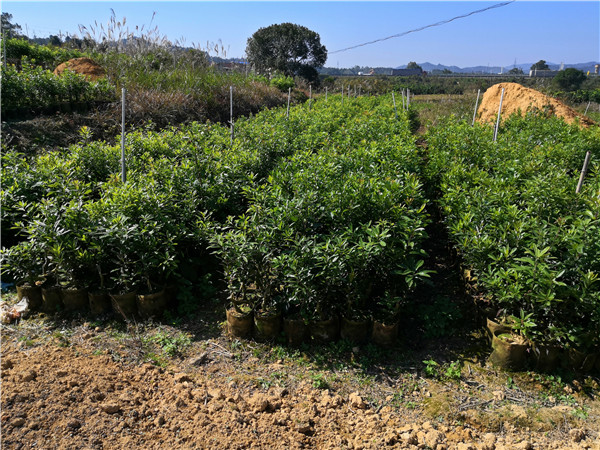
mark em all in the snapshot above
pixel 498 5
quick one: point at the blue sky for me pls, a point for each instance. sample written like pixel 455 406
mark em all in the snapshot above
pixel 525 31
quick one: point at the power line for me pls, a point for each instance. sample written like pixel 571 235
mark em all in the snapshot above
pixel 498 5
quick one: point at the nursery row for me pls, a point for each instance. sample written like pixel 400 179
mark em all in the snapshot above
pixel 319 212
pixel 33 89
pixel 45 56
pixel 530 244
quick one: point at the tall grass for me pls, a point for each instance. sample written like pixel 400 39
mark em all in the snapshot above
pixel 169 83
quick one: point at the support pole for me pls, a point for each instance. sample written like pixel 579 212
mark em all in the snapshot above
pixel 287 114
pixel 231 111
pixel 310 97
pixel 498 118
pixel 476 104
pixel 394 100
pixel 583 171
pixel 123 168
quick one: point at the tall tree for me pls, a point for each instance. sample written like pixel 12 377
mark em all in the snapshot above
pixel 288 48
pixel 540 65
pixel 413 65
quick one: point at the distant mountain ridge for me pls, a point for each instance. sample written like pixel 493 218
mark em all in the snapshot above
pixel 429 67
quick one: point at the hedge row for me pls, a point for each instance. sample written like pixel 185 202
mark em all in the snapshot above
pixel 531 243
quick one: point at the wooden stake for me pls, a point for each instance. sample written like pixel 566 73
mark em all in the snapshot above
pixel 395 110
pixel 583 171
pixel 287 114
pixel 586 108
pixel 310 97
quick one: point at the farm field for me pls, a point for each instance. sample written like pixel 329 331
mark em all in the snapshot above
pixel 337 211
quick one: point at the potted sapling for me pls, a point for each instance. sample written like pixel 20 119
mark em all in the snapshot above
pixel 231 246
pixel 385 322
pixel 266 268
pixel 298 291
pixel 158 264
pixel 71 272
pixel 22 263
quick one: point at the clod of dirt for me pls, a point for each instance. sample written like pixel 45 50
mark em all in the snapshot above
pixel 576 434
pixel 356 401
pixel 84 66
pixel 110 408
pixel 520 99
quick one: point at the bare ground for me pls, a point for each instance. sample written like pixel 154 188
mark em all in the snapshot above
pixel 72 382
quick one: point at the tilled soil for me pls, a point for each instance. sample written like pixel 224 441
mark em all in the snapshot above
pixel 75 384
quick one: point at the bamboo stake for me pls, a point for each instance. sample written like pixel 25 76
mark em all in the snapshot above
pixel 498 118
pixel 586 108
pixel 310 97
pixel 287 114
pixel 583 171
pixel 395 110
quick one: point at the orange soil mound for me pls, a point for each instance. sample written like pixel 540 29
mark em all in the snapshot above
pixel 84 66
pixel 520 99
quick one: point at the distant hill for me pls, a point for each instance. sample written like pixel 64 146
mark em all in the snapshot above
pixel 428 67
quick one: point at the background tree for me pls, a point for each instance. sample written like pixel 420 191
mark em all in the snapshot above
pixel 288 48
pixel 516 71
pixel 54 40
pixel 569 79
pixel 11 30
pixel 540 65
pixel 413 65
